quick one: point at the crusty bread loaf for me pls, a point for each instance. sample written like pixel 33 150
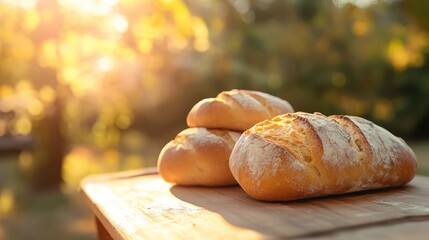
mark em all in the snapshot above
pixel 236 110
pixel 198 156
pixel 300 155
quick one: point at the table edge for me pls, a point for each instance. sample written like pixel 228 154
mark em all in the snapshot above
pixel 131 174
pixel 110 177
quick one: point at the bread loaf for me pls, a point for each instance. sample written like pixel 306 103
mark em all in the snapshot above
pixel 300 155
pixel 236 110
pixel 198 156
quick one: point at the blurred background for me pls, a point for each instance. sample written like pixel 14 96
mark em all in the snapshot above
pixel 95 86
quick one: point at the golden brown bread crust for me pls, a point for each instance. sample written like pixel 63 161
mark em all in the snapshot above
pixel 198 156
pixel 236 110
pixel 300 155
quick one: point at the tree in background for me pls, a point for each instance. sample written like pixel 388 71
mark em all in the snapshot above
pixel 84 72
pixel 327 57
pixel 69 80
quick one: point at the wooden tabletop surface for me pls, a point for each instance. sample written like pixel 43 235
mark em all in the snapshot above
pixel 140 205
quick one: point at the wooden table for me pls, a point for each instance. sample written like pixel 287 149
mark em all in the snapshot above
pixel 140 205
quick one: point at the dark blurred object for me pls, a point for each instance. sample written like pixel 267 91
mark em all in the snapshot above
pixel 49 152
pixel 418 11
pixel 50 142
pixel 16 143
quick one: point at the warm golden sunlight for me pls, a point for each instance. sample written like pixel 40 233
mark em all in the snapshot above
pixel 90 7
pixel 97 86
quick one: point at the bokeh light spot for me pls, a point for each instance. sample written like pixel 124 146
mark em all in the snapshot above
pixel 25 160
pixel 23 126
pixel 7 200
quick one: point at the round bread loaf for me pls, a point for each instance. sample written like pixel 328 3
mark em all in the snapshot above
pixel 300 155
pixel 198 156
pixel 236 110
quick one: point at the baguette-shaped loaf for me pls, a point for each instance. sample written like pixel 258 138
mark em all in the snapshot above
pixel 236 110
pixel 301 155
pixel 198 157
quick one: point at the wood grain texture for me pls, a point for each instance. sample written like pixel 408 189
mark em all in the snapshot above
pixel 142 206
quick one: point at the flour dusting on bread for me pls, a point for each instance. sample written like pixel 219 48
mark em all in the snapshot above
pixel 299 155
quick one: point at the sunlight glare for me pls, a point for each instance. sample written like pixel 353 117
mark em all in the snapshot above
pixel 104 64
pixel 358 3
pixel 119 23
pixel 26 4
pixel 91 7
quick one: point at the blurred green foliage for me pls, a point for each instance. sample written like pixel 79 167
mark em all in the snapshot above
pixel 102 85
pixel 143 57
pixel 370 62
pixel 89 72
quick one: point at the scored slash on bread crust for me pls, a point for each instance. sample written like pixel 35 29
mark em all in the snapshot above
pixel 194 158
pixel 236 110
pixel 299 155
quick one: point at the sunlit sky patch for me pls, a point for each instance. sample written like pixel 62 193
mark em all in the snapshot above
pixel 27 4
pixel 358 3
pixel 93 7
